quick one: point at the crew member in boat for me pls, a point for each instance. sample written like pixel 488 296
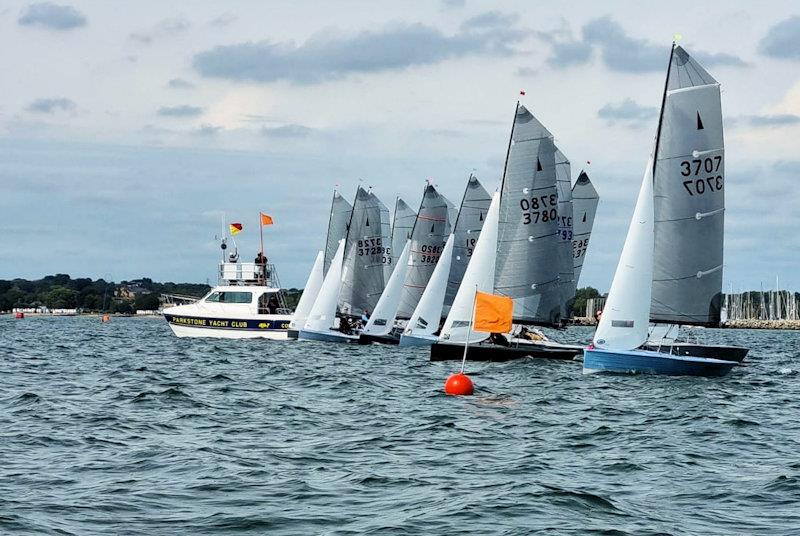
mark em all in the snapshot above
pixel 273 305
pixel 499 339
pixel 345 326
pixel 365 316
pixel 234 256
pixel 531 335
pixel 261 266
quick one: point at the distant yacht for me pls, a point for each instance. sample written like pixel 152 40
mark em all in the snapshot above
pixel 247 303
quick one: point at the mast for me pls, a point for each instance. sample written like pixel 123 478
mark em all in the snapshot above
pixel 508 150
pixel 661 113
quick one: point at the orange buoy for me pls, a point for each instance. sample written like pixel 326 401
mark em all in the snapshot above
pixel 106 318
pixel 458 384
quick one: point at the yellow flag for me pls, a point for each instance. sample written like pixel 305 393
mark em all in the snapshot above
pixel 492 313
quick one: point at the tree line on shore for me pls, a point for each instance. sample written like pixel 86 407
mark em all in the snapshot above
pixel 60 291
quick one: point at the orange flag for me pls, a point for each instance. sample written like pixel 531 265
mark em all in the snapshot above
pixel 492 313
pixel 266 219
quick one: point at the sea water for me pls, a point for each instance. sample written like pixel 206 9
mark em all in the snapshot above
pixel 121 428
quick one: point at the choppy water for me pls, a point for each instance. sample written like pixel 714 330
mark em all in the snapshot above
pixel 122 428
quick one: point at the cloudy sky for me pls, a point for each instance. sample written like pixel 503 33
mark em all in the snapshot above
pixel 125 135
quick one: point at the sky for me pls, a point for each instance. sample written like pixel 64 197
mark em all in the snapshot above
pixel 129 135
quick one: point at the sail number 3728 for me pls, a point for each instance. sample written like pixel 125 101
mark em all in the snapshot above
pixel 697 185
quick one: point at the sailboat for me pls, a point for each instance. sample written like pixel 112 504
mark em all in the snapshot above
pixel 363 275
pixel 446 278
pixel 427 238
pixel 338 221
pixel 584 208
pixel 527 242
pixel 680 209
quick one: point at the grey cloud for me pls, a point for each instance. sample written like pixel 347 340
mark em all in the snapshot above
pixel 287 131
pixel 180 83
pixel 52 16
pixel 777 120
pixel 49 106
pixel 453 3
pixel 165 28
pixel 627 112
pixel 619 51
pixel 183 110
pixel 208 130
pixel 489 20
pixel 782 40
pixel 223 20
pixel 330 56
pixel 526 71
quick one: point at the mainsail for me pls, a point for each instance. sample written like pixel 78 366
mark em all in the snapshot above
pixel 689 181
pixel 527 270
pixel 381 321
pixel 430 232
pixel 337 227
pixel 466 231
pixel 566 270
pixel 402 224
pixel 365 251
pixel 584 207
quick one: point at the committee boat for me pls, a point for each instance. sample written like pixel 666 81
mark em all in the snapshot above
pixel 247 303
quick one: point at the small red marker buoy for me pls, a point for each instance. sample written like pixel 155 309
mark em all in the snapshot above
pixel 19 315
pixel 458 384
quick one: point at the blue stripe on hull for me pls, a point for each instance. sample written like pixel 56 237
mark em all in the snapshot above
pixel 410 340
pixel 646 362
pixel 333 336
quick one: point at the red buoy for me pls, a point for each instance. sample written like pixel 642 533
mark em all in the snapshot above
pixel 19 315
pixel 458 384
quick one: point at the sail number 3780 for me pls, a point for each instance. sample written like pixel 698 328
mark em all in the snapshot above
pixel 693 168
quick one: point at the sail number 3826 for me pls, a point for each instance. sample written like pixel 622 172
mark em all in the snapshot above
pixel 694 168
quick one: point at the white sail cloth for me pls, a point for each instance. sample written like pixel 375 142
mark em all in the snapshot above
pixel 323 313
pixel 479 276
pixel 382 319
pixel 310 293
pixel 428 313
pixel 624 323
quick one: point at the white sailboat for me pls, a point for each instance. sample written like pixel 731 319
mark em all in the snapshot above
pixel 670 197
pixel 321 322
pixel 309 296
pixel 381 322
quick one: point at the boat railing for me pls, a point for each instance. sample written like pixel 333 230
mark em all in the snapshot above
pixel 251 273
pixel 170 300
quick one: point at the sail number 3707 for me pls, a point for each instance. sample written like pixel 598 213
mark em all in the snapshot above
pixel 706 166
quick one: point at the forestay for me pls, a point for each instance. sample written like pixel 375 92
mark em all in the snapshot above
pixel 365 254
pixel 430 232
pixel 337 226
pixel 689 194
pixel 528 234
pixel 467 229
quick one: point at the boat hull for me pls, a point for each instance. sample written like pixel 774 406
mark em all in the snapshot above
pixel 377 339
pixel 647 362
pixel 412 340
pixel 713 351
pixel 227 328
pixel 326 336
pixel 447 351
pixel 293 334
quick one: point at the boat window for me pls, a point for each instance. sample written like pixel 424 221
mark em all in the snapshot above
pixel 230 297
